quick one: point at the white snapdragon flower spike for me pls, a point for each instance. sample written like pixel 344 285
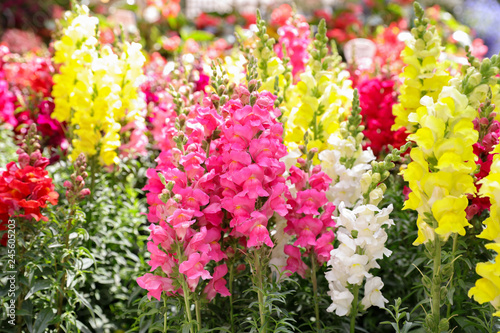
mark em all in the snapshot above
pixel 345 186
pixel 362 242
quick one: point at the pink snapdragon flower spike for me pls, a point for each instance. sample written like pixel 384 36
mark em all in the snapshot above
pixel 309 221
pixel 218 178
pixel 294 36
pixel 251 146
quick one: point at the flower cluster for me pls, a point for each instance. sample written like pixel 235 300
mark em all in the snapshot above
pixel 294 39
pixel 362 242
pixel 440 172
pixel 25 187
pixel 252 175
pixel 346 161
pixel 309 218
pixel 376 98
pixel 97 89
pixel 423 74
pixel 323 98
pixel 26 89
pixel 360 234
pixel 223 177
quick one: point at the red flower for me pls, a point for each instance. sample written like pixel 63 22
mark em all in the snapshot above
pixel 25 189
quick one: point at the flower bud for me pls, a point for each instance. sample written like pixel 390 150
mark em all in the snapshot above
pixel 84 192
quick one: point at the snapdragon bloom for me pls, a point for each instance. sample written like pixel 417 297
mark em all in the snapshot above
pixel 294 36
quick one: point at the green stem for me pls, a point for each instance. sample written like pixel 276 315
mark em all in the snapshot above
pixel 231 278
pixel 185 289
pixel 315 290
pixel 260 295
pixel 436 284
pixel 354 309
pixel 62 285
pixel 165 327
pixel 198 313
pixel 453 254
pixel 92 177
pixel 315 124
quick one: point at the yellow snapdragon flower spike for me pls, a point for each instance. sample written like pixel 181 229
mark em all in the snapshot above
pixel 320 101
pixel 96 90
pixel 442 163
pixel 423 74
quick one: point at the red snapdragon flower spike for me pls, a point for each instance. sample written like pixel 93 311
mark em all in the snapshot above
pixel 376 98
pixel 25 189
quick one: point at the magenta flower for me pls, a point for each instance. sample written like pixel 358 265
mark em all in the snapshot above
pixel 297 177
pixel 193 199
pixel 320 181
pixel 209 118
pixel 218 284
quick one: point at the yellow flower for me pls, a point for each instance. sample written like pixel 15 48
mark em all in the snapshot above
pixel 487 289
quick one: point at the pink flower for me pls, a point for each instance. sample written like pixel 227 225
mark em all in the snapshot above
pixel 171 44
pixel 276 202
pixel 251 178
pixel 155 285
pixel 297 177
pixel 294 262
pixel 307 229
pixel 320 181
pixel 256 228
pixel 218 284
pixel 193 199
pixel 181 220
pixel 310 201
pixel 241 206
pixel 162 235
pixel 236 159
pixel 160 259
pixel 209 118
pixel 194 267
pixel 239 136
pixel 324 246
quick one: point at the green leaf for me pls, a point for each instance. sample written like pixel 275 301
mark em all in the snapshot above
pixel 39 285
pixel 84 301
pixel 43 320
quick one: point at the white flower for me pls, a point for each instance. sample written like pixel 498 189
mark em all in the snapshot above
pixel 373 296
pixel 341 302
